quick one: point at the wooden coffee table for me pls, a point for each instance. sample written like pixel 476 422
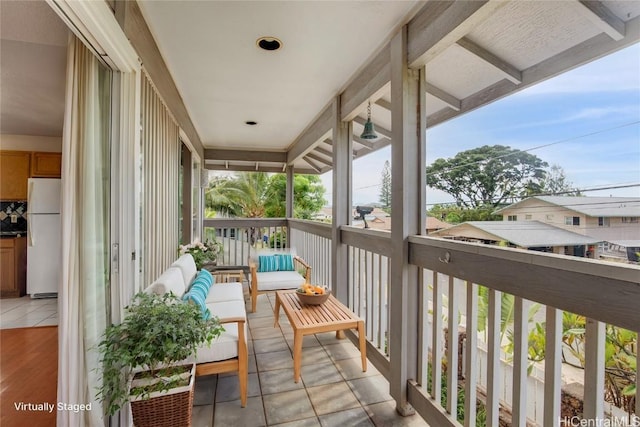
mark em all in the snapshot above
pixel 312 319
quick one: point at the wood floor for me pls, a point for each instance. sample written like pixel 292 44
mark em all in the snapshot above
pixel 28 374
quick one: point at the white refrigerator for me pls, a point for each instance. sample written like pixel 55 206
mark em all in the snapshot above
pixel 44 239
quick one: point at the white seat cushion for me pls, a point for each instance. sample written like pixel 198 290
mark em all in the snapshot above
pixel 187 266
pixel 279 280
pixel 226 345
pixel 170 281
pixel 220 292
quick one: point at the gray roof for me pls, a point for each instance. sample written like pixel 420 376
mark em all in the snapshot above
pixel 591 206
pixel 526 234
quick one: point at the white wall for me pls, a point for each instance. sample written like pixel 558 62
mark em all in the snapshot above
pixel 51 144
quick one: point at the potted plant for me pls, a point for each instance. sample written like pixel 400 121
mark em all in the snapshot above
pixel 141 359
pixel 202 253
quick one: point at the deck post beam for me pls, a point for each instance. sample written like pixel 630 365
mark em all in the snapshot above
pixel 342 170
pixel 408 173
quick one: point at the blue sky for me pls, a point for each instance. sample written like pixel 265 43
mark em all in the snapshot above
pixel 591 115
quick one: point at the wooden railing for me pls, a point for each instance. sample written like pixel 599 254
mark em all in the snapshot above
pixel 312 241
pixel 602 292
pixel 241 237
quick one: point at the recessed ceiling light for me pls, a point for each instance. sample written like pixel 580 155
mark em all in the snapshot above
pixel 250 123
pixel 269 43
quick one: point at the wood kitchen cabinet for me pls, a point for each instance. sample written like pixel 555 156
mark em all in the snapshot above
pixel 14 173
pixel 13 261
pixel 46 165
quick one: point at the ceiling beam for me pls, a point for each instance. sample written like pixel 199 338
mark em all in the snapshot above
pixel 368 84
pixel 323 151
pixel 441 23
pixel 366 143
pixel 507 70
pixel 443 96
pixel 252 168
pixel 580 54
pixel 322 124
pixel 317 158
pixel 379 129
pixel 311 163
pixel 602 17
pixel 384 104
pixel 245 155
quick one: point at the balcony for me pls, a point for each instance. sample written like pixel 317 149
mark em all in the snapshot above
pixel 444 302
pixel 332 391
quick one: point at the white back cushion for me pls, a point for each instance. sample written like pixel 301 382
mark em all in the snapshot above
pixel 188 267
pixel 170 281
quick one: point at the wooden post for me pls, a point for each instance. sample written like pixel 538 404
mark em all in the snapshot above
pixel 342 167
pixel 407 174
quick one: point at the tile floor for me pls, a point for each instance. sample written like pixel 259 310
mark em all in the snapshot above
pixel 25 312
pixel 333 390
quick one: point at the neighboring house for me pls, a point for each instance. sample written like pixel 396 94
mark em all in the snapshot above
pixel 434 224
pixel 534 235
pixel 325 214
pixel 602 218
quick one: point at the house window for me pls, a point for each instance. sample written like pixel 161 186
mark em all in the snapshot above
pixel 571 220
pixel 528 216
pixel 603 221
pixel 512 218
pixel 549 217
pixel 629 219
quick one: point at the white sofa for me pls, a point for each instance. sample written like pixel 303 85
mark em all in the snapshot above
pixel 228 352
pixel 262 282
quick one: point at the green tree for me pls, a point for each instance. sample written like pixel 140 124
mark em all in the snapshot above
pixel 454 214
pixel 385 190
pixel 242 196
pixel 555 182
pixel 487 176
pixel 308 196
pixel 259 195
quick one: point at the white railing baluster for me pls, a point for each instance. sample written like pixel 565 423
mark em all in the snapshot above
pixel 369 293
pixel 521 346
pixel 452 351
pixel 552 366
pixel 436 362
pixel 594 370
pixel 375 306
pixel 423 350
pixel 471 350
pixel 493 356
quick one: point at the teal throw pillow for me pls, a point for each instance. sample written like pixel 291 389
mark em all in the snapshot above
pixel 285 262
pixel 267 263
pixel 198 299
pixel 206 275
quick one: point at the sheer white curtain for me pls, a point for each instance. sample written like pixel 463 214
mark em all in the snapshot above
pixel 160 184
pixel 85 229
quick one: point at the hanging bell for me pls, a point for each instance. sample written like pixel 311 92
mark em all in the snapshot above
pixel 369 132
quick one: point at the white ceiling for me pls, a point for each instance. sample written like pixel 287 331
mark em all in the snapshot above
pixel 33 61
pixel 225 79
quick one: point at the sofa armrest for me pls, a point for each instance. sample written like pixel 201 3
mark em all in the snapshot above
pixel 237 319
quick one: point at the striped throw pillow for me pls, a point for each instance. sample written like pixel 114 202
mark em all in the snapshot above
pixel 197 298
pixel 285 262
pixel 267 263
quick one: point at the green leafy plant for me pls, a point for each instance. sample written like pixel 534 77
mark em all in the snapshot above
pixel 157 331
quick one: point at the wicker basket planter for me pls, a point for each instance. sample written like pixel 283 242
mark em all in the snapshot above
pixel 165 408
